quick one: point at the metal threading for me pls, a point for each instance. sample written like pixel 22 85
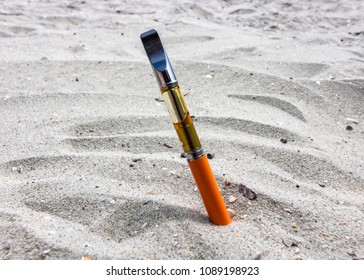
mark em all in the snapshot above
pixel 195 154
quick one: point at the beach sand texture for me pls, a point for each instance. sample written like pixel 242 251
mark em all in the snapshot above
pixel 90 164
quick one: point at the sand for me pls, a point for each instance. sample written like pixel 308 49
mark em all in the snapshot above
pixel 90 164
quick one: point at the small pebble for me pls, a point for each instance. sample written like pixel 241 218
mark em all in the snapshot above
pixel 294 225
pixel 257 256
pixel 210 156
pixel 352 253
pixel 208 76
pixel 322 185
pixel 349 127
pixel 231 212
pixel 324 233
pixel 151 192
pixel 232 199
pixel 352 120
pixel 46 252
pixel 248 193
pixel 144 225
pixel 175 174
pixel 284 141
pixel 18 169
pixel 183 155
pixel 227 182
pixel 297 251
pixel 86 258
pixel 289 242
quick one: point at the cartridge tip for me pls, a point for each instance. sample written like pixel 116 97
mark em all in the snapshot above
pixel 154 49
pixel 158 58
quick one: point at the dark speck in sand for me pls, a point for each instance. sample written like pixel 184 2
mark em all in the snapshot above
pixel 357 33
pixel 210 156
pixel 183 155
pixel 77 80
pixel 284 141
pixel 248 193
pixel 257 256
pixel 349 127
pixel 168 146
pixel 322 185
pixel 297 186
pixel 131 165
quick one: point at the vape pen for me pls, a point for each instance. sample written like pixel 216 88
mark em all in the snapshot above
pixel 185 129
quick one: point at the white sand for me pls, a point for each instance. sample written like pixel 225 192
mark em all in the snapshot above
pixel 83 166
